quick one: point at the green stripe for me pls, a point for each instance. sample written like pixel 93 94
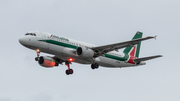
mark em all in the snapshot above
pixel 128 49
pixel 116 57
pixel 75 47
pixel 138 49
pixel 60 43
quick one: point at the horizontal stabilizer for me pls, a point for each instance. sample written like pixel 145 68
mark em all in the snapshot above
pixel 147 58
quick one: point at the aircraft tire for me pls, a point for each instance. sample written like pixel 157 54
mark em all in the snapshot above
pixel 69 71
pixel 36 59
pixel 96 65
pixel 92 66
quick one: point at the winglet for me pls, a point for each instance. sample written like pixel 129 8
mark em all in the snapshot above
pixel 155 37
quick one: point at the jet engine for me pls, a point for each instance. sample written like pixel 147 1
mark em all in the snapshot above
pixel 85 52
pixel 46 61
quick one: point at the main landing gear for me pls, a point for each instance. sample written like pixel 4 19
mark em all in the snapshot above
pixel 69 70
pixel 95 66
pixel 38 53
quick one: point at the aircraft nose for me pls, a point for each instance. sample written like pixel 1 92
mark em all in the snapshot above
pixel 22 40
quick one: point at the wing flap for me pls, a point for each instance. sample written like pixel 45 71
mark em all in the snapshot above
pixel 147 58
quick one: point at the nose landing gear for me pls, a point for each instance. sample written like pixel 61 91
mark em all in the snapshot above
pixel 69 70
pixel 38 53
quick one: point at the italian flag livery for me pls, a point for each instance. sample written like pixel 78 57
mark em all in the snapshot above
pixel 133 51
pixel 67 51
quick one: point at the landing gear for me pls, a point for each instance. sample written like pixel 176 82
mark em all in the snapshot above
pixel 95 66
pixel 38 53
pixel 69 70
pixel 37 58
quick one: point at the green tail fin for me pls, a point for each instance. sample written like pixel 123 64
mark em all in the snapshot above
pixel 130 49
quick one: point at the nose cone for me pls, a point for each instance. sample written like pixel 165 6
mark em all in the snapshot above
pixel 22 41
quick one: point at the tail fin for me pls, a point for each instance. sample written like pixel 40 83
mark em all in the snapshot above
pixel 134 50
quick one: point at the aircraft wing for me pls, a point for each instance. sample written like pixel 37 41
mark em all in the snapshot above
pixel 57 59
pixel 147 58
pixel 107 48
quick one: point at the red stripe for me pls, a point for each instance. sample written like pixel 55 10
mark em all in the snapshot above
pixel 132 56
pixel 133 52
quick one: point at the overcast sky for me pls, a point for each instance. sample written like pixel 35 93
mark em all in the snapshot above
pixel 98 22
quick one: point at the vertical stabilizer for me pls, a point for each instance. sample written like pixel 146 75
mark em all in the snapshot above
pixel 134 51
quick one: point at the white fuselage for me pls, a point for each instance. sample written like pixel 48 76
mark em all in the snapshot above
pixel 64 48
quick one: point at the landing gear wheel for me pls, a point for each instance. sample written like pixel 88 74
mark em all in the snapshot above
pixel 95 66
pixel 92 66
pixel 69 71
pixel 37 58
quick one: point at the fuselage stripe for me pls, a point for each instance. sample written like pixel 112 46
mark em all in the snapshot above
pixel 75 47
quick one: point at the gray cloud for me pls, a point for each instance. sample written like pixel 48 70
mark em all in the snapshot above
pixel 5 99
pixel 40 97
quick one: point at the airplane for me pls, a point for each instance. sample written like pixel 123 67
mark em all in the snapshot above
pixel 66 50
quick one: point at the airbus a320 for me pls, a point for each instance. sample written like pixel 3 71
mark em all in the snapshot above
pixel 66 50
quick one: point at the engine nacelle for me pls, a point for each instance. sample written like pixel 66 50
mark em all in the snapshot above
pixel 85 52
pixel 46 61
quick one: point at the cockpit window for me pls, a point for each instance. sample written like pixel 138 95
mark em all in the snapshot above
pixel 32 34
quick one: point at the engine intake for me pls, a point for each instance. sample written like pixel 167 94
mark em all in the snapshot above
pixel 85 52
pixel 46 61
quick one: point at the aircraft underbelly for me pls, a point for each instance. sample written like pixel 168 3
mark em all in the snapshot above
pixel 66 53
